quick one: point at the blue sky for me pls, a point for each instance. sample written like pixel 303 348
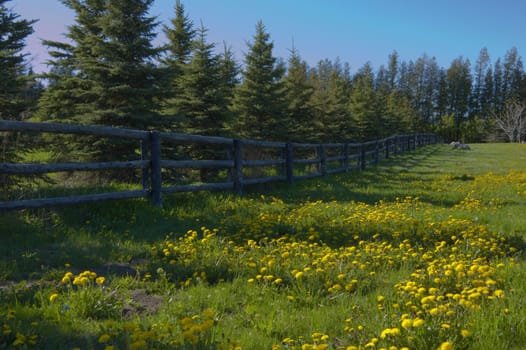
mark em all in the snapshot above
pixel 355 31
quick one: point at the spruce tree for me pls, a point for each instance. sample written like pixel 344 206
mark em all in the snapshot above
pixel 298 93
pixel 202 102
pixel 259 99
pixel 363 106
pixel 14 81
pixel 180 35
pixel 330 101
pixel 107 74
pixel 13 66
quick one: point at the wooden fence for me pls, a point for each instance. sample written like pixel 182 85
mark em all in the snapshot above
pixel 320 159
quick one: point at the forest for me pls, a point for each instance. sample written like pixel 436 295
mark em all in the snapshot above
pixel 107 71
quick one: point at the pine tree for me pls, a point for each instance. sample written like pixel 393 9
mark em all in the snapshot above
pixel 14 80
pixel 498 90
pixel 330 102
pixel 228 74
pixel 363 106
pixel 180 35
pixel 107 72
pixel 202 102
pixel 297 96
pixel 512 75
pixel 481 68
pixel 459 87
pixel 13 65
pixel 259 98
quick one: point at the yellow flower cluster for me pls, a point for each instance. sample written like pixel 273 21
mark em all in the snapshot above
pixel 83 278
pixel 194 332
pixel 330 249
pixel 15 334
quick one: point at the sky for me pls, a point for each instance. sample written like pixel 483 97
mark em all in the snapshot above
pixel 354 31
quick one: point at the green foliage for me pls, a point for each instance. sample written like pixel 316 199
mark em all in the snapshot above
pixel 298 96
pixel 364 106
pixel 259 99
pixel 13 65
pixel 106 76
pixel 424 249
pixel 18 89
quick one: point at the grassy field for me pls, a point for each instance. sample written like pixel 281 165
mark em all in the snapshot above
pixel 425 251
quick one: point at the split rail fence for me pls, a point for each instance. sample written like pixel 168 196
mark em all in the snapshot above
pixel 315 160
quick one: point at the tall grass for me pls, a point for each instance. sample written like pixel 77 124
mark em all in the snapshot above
pixel 423 251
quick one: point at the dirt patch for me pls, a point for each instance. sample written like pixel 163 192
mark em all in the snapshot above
pixel 141 303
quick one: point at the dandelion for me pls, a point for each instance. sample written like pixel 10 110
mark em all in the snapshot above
pixel 104 338
pixel 20 339
pixel 418 322
pixel 100 280
pixel 465 333
pixel 53 297
pixel 445 346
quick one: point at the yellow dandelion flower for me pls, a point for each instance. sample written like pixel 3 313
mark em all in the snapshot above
pixel 465 333
pixel 418 322
pixel 407 323
pixel 445 346
pixel 100 280
pixel 104 338
pixel 20 339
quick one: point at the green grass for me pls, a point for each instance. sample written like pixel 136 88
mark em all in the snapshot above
pixel 322 263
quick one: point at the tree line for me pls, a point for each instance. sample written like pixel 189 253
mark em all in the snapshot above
pixel 109 72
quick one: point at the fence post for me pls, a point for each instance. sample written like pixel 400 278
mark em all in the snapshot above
pixel 362 157
pixel 156 181
pixel 145 171
pixel 323 160
pixel 289 162
pixel 238 166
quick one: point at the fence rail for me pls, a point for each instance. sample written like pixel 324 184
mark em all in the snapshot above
pixel 318 159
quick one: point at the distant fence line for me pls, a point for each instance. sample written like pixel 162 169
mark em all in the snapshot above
pixel 328 158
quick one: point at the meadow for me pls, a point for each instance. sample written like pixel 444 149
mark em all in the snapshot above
pixel 423 251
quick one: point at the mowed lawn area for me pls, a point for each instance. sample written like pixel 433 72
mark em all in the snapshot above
pixel 423 251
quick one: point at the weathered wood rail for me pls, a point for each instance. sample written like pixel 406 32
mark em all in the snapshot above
pixel 318 160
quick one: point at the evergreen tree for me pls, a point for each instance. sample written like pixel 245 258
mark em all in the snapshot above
pixel 363 106
pixel 459 90
pixel 13 65
pixel 180 35
pixel 512 75
pixel 330 102
pixel 298 95
pixel 487 103
pixel 228 75
pixel 14 81
pixel 481 69
pixel 498 91
pixel 259 98
pixel 202 102
pixel 107 72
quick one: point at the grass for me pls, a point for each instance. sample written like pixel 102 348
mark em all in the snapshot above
pixel 423 251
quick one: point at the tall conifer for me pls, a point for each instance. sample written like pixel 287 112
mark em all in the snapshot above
pixel 107 73
pixel 259 98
